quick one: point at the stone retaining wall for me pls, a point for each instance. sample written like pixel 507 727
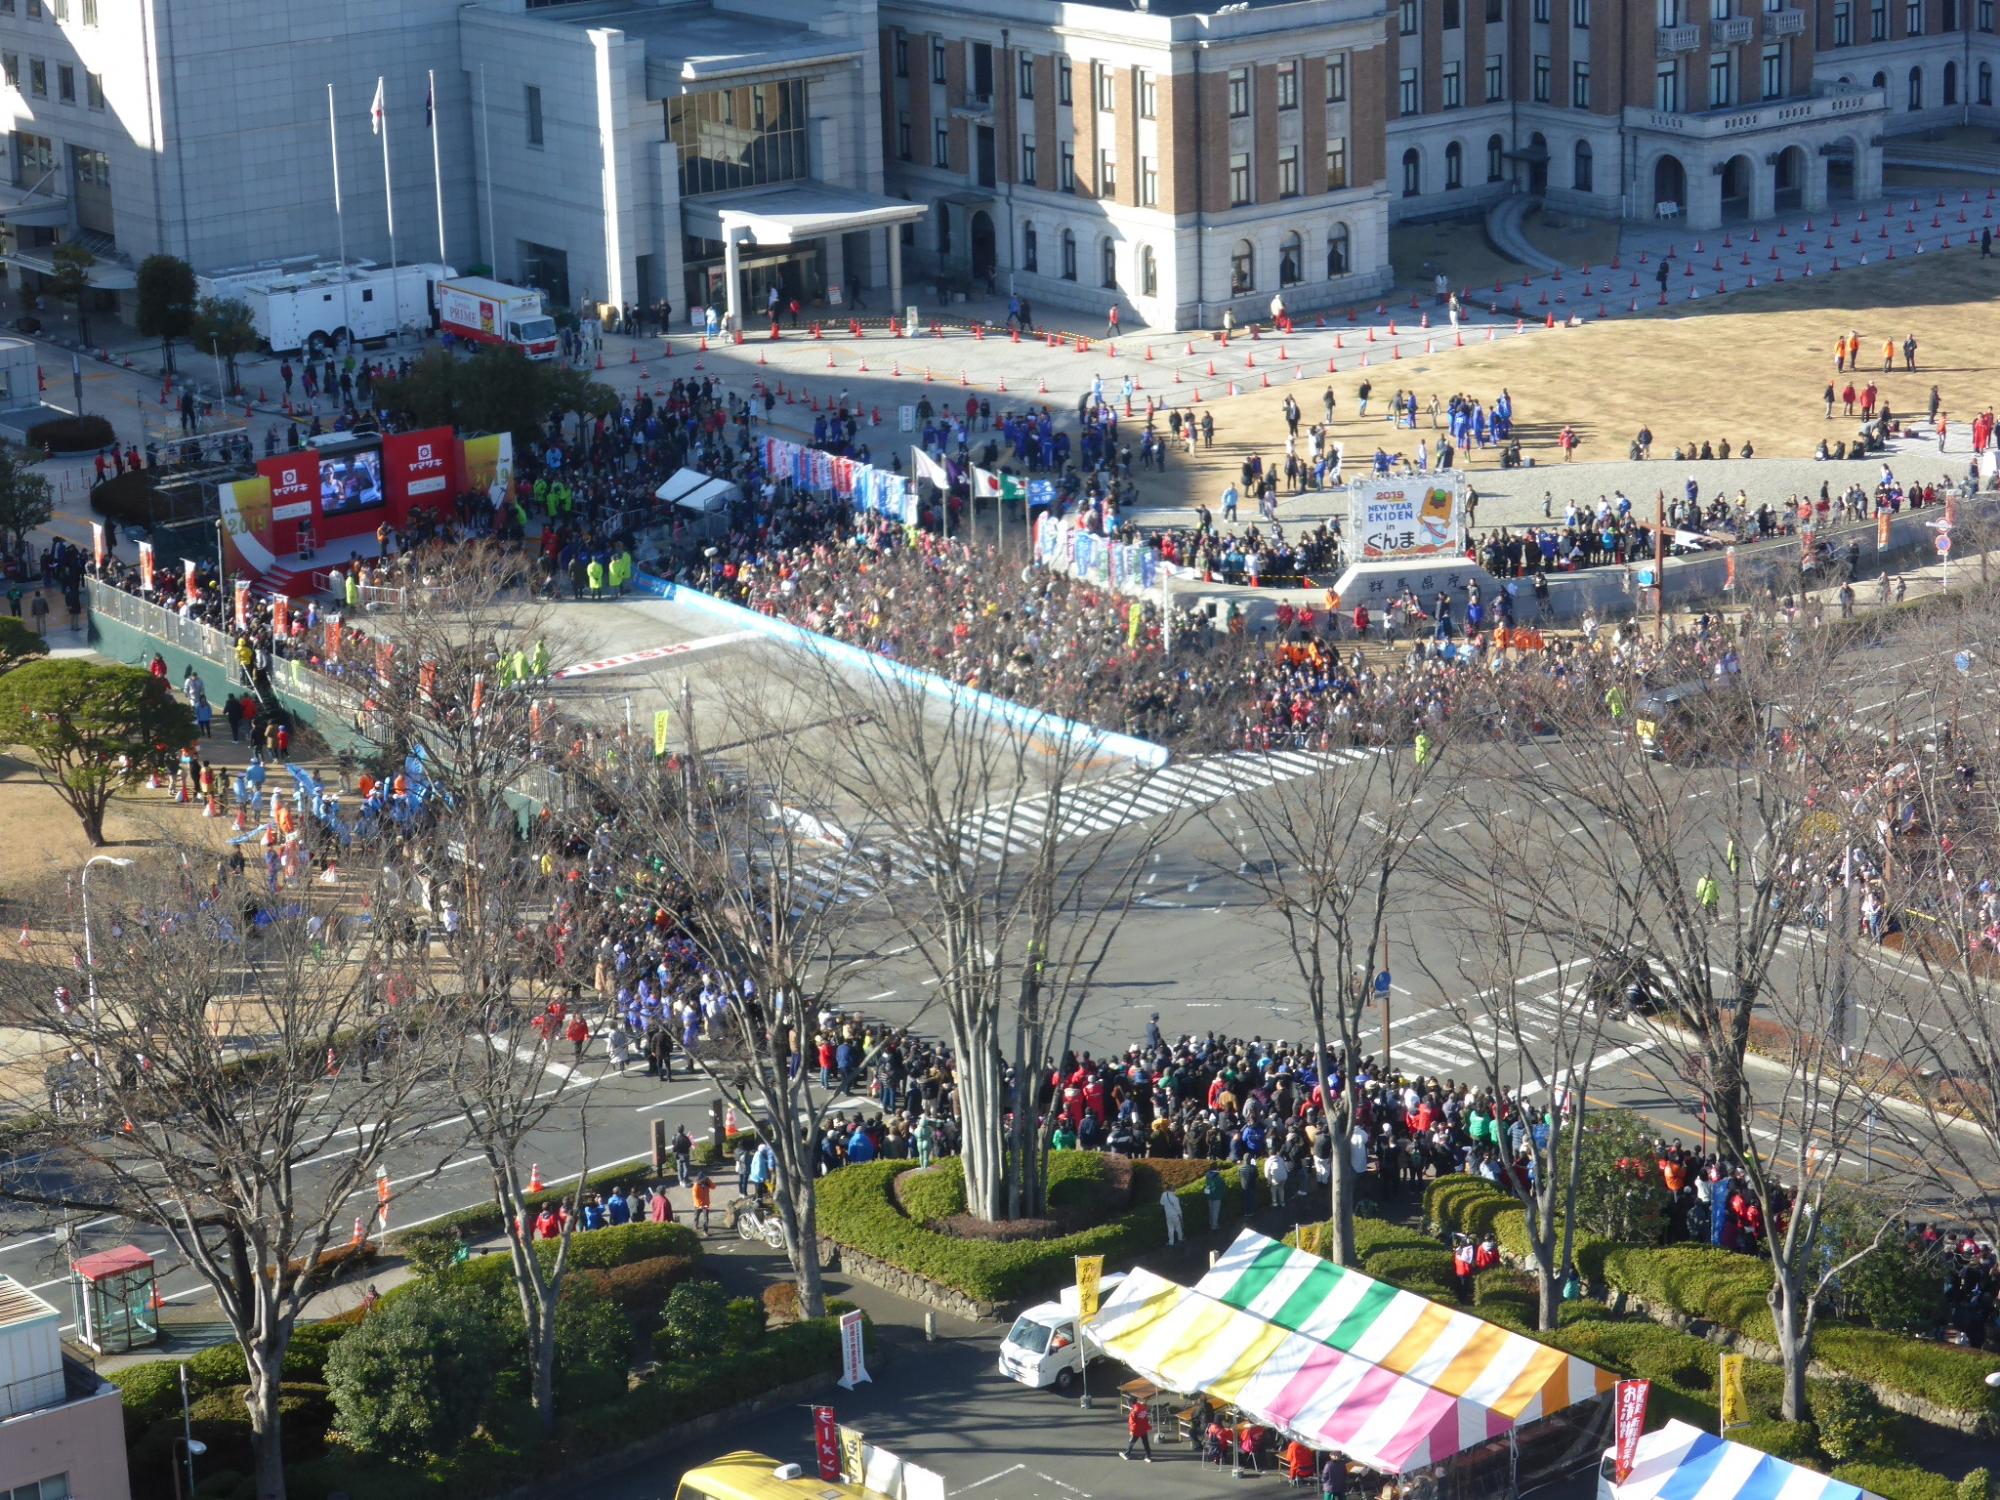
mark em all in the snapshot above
pixel 908 1284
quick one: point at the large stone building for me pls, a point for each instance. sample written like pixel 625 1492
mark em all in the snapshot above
pixel 1175 159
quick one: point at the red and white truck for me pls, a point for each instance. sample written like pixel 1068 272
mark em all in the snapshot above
pixel 492 312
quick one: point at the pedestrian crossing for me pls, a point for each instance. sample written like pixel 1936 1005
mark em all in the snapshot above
pixel 1456 1049
pixel 1015 828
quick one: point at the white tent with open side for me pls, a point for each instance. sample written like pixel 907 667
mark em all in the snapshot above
pixel 702 494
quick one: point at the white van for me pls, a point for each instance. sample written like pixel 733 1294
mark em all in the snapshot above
pixel 1042 1347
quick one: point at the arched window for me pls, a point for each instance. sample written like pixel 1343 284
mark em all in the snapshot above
pixel 1986 83
pixel 1496 158
pixel 1413 173
pixel 1951 83
pixel 1107 256
pixel 1336 252
pixel 1916 89
pixel 1149 272
pixel 1031 259
pixel 1242 269
pixel 1881 81
pixel 1454 166
pixel 1069 255
pixel 1291 259
pixel 1581 176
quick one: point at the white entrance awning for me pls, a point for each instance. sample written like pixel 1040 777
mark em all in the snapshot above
pixel 794 213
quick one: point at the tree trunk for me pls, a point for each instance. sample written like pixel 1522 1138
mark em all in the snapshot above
pixel 1793 1321
pixel 543 1352
pixel 267 1438
pixel 802 1231
pixel 1548 1291
pixel 1340 1219
pixel 982 1148
pixel 92 818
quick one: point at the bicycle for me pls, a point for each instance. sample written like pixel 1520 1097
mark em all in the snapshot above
pixel 756 1220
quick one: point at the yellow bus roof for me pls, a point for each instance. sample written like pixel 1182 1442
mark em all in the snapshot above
pixel 749 1476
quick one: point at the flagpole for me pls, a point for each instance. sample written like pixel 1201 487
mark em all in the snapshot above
pixel 339 216
pixel 486 139
pixel 389 202
pixel 437 174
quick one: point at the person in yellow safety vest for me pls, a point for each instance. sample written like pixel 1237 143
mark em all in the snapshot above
pixel 623 562
pixel 519 661
pixel 353 588
pixel 1424 747
pixel 596 573
pixel 1614 699
pixel 504 669
pixel 1729 857
pixel 539 662
pixel 1709 895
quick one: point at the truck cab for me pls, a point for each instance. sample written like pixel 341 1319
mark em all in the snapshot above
pixel 1044 1347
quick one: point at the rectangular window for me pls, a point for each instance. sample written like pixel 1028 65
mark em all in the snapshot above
pixel 1107 174
pixel 1718 10
pixel 1718 81
pixel 534 111
pixel 59 10
pixel 1031 251
pixel 1239 179
pixel 1667 86
pixel 1064 86
pixel 1542 12
pixel 1878 21
pixel 937 60
pixel 93 167
pixel 1579 85
pixel 34 10
pixel 1451 16
pixel 90 12
pixel 1026 88
pixel 1843 23
pixel 1913 18
pixel 1579 14
pixel 6 7
pixel 38 78
pixel 1104 86
pixel 1406 17
pixel 1027 158
pixel 1288 172
pixel 1149 94
pixel 93 90
pixel 10 64
pixel 1288 85
pixel 1541 79
pixel 1406 91
pixel 1336 78
pixel 1774 72
pixel 1496 78
pixel 904 146
pixel 66 83
pixel 941 145
pixel 1496 12
pixel 1667 13
pixel 1454 88
pixel 1066 169
pixel 1239 93
pixel 902 51
pixel 1985 15
pixel 1149 182
pixel 1336 163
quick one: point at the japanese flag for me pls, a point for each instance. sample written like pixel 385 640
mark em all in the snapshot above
pixel 376 112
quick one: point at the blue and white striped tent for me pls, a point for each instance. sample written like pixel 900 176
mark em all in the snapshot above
pixel 1680 1462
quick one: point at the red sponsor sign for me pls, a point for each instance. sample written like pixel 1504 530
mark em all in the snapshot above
pixel 419 468
pixel 826 1440
pixel 189 584
pixel 281 616
pixel 146 566
pixel 294 481
pixel 1630 1414
pixel 242 604
pixel 97 543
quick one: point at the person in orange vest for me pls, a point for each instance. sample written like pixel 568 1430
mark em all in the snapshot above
pixel 1461 1265
pixel 577 1033
pixel 704 1195
pixel 1488 1254
pixel 1138 1429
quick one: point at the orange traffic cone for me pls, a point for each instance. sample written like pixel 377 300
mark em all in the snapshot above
pixel 729 1123
pixel 535 1178
pixel 359 1233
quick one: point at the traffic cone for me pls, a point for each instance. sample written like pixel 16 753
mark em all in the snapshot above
pixel 729 1123
pixel 1042 386
pixel 535 1178
pixel 1282 355
pixel 829 359
pixel 763 361
pixel 1003 385
pixel 1149 354
pixel 1250 360
pixel 359 1233
pixel 962 381
pixel 600 358
pixel 1427 346
pixel 1111 350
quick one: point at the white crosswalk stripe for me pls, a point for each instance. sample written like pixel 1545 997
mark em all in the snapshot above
pixel 1121 801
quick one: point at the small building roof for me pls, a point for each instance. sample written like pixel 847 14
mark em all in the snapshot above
pixel 106 1263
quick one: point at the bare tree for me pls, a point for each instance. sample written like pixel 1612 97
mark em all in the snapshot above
pixel 1324 855
pixel 247 1163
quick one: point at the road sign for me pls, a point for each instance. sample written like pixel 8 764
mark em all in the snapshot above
pixel 1944 544
pixel 1382 983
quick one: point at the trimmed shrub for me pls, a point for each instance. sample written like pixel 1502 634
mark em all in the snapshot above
pixel 1716 1286
pixel 1506 1297
pixel 929 1194
pixel 641 1289
pixel 593 1348
pixel 1795 1442
pixel 84 434
pixel 1978 1485
pixel 743 1322
pixel 1898 1481
pixel 1944 1373
pixel 622 1245
pixel 414 1378
pixel 151 1392
pixel 694 1325
pixel 1853 1423
pixel 781 1303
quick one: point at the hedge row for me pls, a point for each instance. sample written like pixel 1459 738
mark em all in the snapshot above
pixel 1729 1290
pixel 483 1219
pixel 858 1210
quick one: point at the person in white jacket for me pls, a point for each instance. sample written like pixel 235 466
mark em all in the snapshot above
pixel 1170 1204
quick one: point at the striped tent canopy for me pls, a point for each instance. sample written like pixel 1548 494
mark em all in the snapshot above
pixel 1460 1355
pixel 1680 1462
pixel 1183 1341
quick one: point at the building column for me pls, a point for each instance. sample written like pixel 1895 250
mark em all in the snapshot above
pixel 1813 199
pixel 732 273
pixel 1763 187
pixel 895 270
pixel 836 266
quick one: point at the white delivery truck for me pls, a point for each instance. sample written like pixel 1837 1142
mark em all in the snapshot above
pixel 1043 1347
pixel 492 312
pixel 309 305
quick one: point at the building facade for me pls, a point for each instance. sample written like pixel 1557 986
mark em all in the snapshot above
pixel 1177 161
pixel 62 1430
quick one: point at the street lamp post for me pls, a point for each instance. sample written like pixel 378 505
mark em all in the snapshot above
pixel 89 962
pixel 188 1444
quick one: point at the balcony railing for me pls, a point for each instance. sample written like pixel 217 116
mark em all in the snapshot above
pixel 1735 29
pixel 1781 23
pixel 1674 39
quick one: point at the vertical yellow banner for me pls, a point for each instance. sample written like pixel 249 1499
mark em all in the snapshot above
pixel 1735 1409
pixel 660 733
pixel 1089 1272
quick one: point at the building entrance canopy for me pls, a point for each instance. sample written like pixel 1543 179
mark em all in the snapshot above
pixel 796 213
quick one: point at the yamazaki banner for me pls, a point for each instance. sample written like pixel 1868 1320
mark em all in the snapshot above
pixel 420 468
pixel 294 481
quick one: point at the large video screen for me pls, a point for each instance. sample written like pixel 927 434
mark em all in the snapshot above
pixel 350 483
